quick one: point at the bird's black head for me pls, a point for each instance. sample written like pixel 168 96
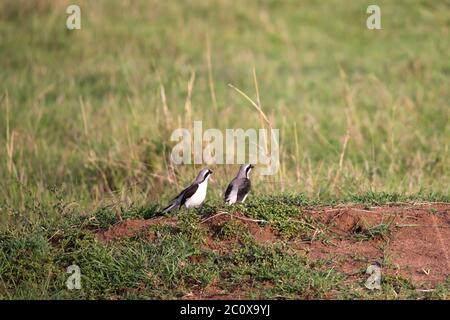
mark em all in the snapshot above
pixel 203 175
pixel 248 168
pixel 207 173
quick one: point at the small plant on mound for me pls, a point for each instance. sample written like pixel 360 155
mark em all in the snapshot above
pixel 188 223
pixel 363 231
pixel 287 218
pixel 233 229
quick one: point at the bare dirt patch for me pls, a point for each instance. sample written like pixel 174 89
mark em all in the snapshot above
pixel 415 244
pixel 130 228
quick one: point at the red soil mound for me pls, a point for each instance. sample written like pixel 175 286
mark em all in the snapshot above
pixel 416 245
pixel 409 240
pixel 129 228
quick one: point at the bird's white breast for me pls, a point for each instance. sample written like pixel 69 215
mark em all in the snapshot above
pixel 198 197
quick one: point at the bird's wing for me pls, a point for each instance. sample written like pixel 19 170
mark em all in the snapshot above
pixel 180 199
pixel 179 196
pixel 244 188
pixel 188 192
pixel 229 189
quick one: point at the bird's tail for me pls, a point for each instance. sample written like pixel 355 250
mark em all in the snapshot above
pixel 171 207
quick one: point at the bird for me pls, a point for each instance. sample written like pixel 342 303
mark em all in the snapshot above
pixel 194 195
pixel 240 186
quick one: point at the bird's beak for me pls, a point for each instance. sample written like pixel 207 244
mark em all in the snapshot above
pixel 210 175
pixel 252 166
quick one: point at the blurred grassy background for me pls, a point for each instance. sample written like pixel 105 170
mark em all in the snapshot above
pixel 83 120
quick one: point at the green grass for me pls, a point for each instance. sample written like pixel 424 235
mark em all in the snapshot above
pixel 157 262
pixel 85 112
pixel 84 131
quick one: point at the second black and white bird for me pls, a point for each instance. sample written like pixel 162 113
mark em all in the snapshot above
pixel 240 186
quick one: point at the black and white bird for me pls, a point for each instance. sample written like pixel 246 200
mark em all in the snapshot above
pixel 240 186
pixel 194 195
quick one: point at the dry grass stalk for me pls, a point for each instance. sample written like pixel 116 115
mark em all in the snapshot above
pixel 165 108
pixel 210 77
pixel 9 139
pixel 341 158
pixel 188 103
